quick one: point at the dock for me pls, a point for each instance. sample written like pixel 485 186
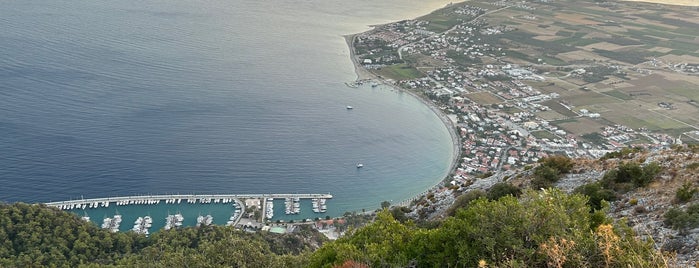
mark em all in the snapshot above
pixel 191 198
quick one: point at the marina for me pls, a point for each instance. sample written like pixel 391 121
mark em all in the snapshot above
pixel 150 213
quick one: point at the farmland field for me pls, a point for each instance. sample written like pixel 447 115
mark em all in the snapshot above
pixel 642 56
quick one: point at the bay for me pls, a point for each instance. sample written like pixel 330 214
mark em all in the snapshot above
pixel 110 98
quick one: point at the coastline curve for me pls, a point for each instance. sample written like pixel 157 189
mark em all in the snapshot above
pixel 363 74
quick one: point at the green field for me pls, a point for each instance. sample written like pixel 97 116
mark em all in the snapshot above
pixel 399 72
pixel 687 92
pixel 484 98
pixel 544 134
pixel 618 94
pixel 651 121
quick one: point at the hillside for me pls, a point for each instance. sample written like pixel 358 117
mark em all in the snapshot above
pixel 671 185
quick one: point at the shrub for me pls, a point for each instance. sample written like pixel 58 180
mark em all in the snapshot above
pixel 685 193
pixel 463 200
pixel 560 163
pixel 503 189
pixel 648 173
pixel 630 175
pixel 633 201
pixel 596 194
pixel 673 245
pixel 682 220
pixel 694 165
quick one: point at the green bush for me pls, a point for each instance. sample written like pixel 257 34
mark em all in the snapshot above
pixel 685 193
pixel 463 200
pixel 544 177
pixel 596 194
pixel 630 175
pixel 694 165
pixel 680 220
pixel 503 189
pixel 560 163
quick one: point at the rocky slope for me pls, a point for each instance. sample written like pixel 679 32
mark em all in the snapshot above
pixel 643 208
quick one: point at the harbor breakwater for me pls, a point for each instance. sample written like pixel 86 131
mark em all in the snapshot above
pixel 122 213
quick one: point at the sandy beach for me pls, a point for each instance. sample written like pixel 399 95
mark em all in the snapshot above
pixel 363 73
pixel 358 69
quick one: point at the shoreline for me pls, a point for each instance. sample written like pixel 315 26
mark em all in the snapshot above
pixel 363 73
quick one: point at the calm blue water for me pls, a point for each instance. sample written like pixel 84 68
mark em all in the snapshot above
pixel 105 98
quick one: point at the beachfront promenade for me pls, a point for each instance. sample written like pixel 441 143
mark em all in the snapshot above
pixel 194 198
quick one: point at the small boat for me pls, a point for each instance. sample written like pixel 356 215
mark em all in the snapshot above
pixel 360 165
pixel 349 107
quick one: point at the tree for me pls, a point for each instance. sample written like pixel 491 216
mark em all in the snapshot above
pixel 463 200
pixel 560 163
pixel 544 177
pixel 685 193
pixel 385 204
pixel 596 194
pixel 503 189
pixel 382 243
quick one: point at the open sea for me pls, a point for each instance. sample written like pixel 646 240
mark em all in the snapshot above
pixel 113 98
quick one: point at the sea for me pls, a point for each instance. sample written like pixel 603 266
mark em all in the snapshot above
pixel 113 98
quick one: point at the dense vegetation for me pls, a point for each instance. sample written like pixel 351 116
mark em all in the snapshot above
pixel 540 229
pixel 39 236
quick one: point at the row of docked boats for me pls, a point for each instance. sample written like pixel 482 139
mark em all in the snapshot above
pixel 146 201
pixel 112 224
pixel 293 205
pixel 269 208
pixel 137 202
pixel 173 221
pixel 142 224
pixel 84 205
pixel 319 205
pixel 209 200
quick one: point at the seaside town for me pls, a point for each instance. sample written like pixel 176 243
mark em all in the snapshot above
pixel 494 102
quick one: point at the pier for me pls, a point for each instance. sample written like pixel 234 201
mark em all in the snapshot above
pixel 155 212
pixel 154 199
pixel 158 211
